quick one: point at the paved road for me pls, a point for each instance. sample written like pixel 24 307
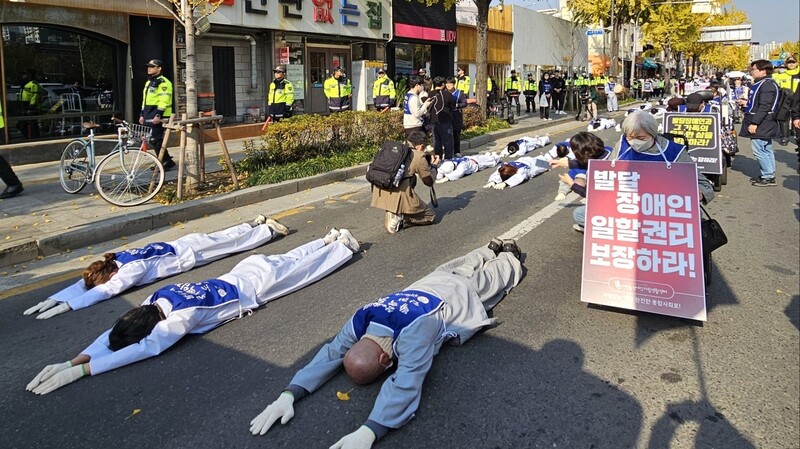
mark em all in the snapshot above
pixel 555 373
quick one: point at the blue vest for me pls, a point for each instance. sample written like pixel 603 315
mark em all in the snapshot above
pixel 517 165
pixel 547 87
pixel 755 88
pixel 611 86
pixel 459 160
pixel 406 109
pixel 396 311
pixel 738 92
pixel 206 294
pixel 151 250
pixel 671 153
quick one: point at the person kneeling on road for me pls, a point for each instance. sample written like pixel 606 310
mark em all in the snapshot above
pixel 195 308
pixel 406 328
pixel 402 204
pixel 120 271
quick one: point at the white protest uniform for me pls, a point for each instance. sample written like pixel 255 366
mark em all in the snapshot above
pixel 141 266
pixel 526 169
pixel 526 145
pixel 467 165
pixel 601 123
pixel 253 282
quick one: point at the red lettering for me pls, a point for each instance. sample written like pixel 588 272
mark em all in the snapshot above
pixel 322 14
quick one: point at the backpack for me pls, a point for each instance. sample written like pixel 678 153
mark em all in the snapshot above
pixel 388 166
pixel 783 108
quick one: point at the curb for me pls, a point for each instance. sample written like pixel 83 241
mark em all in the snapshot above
pixel 137 222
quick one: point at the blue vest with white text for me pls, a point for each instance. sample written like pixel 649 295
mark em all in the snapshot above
pixel 517 165
pixel 626 153
pixel 406 109
pixel 396 311
pixel 206 294
pixel 151 250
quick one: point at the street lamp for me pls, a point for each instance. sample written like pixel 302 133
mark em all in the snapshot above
pixel 698 6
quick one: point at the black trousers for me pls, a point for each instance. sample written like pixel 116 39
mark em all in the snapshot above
pixel 443 140
pixel 7 174
pixel 157 139
pixel 530 102
pixel 558 100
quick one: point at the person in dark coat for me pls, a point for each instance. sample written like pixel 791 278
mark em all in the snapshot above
pixel 759 124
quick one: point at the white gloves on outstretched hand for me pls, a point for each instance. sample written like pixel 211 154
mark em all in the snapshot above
pixel 282 408
pixel 442 181
pixel 59 379
pixel 47 373
pixel 57 310
pixel 500 186
pixel 41 307
pixel 489 184
pixel 360 439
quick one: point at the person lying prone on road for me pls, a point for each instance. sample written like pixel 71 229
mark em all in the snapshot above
pixel 406 328
pixel 195 308
pixel 120 271
pixel 457 168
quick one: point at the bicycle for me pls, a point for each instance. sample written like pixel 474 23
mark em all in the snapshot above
pixel 128 176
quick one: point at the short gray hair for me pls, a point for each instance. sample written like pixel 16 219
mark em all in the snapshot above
pixel 640 121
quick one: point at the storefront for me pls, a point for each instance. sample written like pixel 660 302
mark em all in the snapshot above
pixel 76 59
pixel 309 37
pixel 424 36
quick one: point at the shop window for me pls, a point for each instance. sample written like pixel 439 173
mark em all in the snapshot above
pixel 56 79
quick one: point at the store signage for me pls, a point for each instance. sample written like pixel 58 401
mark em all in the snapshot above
pixel 594 32
pixel 414 20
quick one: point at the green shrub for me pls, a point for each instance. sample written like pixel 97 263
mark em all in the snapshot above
pixel 492 124
pixel 473 117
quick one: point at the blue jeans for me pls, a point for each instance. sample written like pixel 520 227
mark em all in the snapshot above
pixel 762 150
pixel 579 215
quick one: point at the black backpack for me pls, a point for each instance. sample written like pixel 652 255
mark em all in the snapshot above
pixel 387 168
pixel 783 108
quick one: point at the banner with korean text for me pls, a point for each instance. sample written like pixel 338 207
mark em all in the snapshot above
pixel 642 246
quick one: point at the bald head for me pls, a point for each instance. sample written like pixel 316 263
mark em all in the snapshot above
pixel 365 361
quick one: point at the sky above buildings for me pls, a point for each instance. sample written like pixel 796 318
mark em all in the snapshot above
pixel 773 20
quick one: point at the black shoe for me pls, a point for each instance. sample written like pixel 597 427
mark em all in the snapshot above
pixel 169 165
pixel 784 142
pixel 11 191
pixel 510 246
pixel 765 182
pixel 756 179
pixel 496 245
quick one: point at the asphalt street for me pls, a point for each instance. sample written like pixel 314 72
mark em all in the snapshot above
pixel 555 373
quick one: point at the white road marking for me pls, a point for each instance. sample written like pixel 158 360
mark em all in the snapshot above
pixel 530 223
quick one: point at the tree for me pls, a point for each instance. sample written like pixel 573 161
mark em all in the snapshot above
pixel 186 12
pixel 611 13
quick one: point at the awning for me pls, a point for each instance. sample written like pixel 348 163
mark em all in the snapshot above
pixel 650 63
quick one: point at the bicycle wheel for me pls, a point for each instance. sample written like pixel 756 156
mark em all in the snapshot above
pixel 129 177
pixel 73 171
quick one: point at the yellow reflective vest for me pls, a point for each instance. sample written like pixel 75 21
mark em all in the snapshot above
pixel 383 91
pixel 529 86
pixel 513 84
pixel 280 92
pixel 338 93
pixel 157 98
pixel 462 84
pixel 31 94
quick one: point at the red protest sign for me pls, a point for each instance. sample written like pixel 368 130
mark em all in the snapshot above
pixel 642 246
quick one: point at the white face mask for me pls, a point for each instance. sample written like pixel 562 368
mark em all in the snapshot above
pixel 641 145
pixel 781 70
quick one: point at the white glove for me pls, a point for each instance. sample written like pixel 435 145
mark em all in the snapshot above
pixel 442 181
pixel 500 186
pixel 282 408
pixel 47 373
pixel 41 307
pixel 489 184
pixel 57 310
pixel 360 439
pixel 61 378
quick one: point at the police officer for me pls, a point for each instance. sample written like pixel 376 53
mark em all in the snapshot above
pixel 788 78
pixel 7 175
pixel 462 82
pixel 513 87
pixel 383 92
pixel 281 95
pixel 31 96
pixel 529 89
pixel 338 90
pixel 157 107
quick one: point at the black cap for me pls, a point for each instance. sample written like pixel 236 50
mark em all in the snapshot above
pixel 280 69
pixel 694 100
pixel 155 63
pixel 789 60
pixel 381 71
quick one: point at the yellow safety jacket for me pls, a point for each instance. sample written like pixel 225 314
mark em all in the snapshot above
pixel 383 91
pixel 280 92
pixel 31 94
pixel 157 98
pixel 513 84
pixel 529 86
pixel 462 84
pixel 2 122
pixel 788 79
pixel 338 93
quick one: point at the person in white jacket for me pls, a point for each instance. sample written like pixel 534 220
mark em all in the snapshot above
pixel 511 174
pixel 457 168
pixel 524 145
pixel 195 308
pixel 120 271
pixel 414 108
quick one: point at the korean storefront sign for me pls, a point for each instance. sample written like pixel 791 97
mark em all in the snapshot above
pixel 642 246
pixel 701 130
pixel 369 19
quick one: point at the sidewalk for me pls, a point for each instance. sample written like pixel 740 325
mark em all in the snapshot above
pixel 44 220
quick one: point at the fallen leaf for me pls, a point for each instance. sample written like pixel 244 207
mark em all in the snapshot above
pixel 8 237
pixel 344 396
pixel 399 276
pixel 136 411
